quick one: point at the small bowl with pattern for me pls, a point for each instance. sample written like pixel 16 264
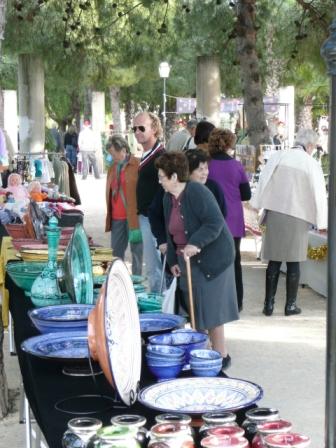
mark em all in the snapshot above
pixel 187 340
pixel 23 274
pixel 209 370
pixel 165 351
pixel 165 371
pixel 205 357
pixel 56 318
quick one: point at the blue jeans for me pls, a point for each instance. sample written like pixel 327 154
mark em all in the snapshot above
pixel 152 258
pixel 119 243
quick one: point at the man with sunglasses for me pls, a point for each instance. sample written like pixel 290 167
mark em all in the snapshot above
pixel 148 131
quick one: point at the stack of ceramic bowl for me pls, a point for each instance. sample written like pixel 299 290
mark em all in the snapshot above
pixel 149 302
pixel 205 362
pixel 183 338
pixel 23 274
pixel 165 361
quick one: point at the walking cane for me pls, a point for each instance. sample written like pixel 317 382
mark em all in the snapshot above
pixel 191 298
pixel 163 272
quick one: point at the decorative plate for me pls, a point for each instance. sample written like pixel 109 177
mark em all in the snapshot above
pixel 159 322
pixel 114 333
pixel 199 395
pixel 77 266
pixel 71 346
pixel 71 317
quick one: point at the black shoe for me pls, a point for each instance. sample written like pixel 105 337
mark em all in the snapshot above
pixel 240 307
pixel 226 363
pixel 292 310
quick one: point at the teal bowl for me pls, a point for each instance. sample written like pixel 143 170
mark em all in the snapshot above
pixel 23 274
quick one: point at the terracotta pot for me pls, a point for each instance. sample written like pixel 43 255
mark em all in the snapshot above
pixel 97 337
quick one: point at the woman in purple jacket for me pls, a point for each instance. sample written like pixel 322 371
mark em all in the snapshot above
pixel 230 175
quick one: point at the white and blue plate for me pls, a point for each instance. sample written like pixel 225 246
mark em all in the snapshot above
pixel 156 322
pixel 71 346
pixel 199 395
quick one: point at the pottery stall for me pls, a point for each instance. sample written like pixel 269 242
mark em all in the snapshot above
pixel 89 363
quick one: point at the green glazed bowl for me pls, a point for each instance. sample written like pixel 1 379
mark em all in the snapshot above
pixel 23 274
pixel 149 302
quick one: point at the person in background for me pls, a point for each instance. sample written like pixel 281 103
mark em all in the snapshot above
pixel 121 217
pixel 230 175
pixel 184 139
pixel 71 146
pixel 148 130
pixel 196 229
pixel 87 145
pixel 291 190
pixel 202 132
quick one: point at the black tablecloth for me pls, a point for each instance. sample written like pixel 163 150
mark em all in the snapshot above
pixel 45 384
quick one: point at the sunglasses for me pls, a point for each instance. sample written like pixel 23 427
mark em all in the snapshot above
pixel 141 128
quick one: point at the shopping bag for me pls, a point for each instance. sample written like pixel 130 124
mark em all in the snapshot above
pixel 168 304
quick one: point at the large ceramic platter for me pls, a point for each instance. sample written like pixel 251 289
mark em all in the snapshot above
pixel 160 322
pixel 199 395
pixel 67 346
pixel 77 266
pixel 122 330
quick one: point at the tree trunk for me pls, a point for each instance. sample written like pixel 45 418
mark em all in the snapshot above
pixel 129 113
pixel 3 7
pixel 115 108
pixel 305 120
pixel 87 103
pixel 31 103
pixel 250 74
pixel 208 88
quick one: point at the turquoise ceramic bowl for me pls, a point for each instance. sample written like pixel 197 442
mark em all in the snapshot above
pixel 23 274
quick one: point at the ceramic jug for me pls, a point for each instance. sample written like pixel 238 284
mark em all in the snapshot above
pixel 81 432
pixel 258 416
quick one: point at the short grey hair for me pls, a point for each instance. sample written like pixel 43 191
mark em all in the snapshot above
pixel 191 124
pixel 306 137
pixel 118 142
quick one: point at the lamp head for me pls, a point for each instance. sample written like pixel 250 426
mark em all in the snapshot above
pixel 164 69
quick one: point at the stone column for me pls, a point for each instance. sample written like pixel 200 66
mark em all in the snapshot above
pixel 31 103
pixel 11 118
pixel 98 123
pixel 208 90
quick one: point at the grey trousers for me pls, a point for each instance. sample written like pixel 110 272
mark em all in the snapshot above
pixel 119 243
pixel 89 158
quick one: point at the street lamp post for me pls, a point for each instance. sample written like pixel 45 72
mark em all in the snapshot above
pixel 328 51
pixel 164 69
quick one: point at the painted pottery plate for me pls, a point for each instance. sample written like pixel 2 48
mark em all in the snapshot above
pixel 157 322
pixel 199 395
pixel 77 266
pixel 122 330
pixel 72 346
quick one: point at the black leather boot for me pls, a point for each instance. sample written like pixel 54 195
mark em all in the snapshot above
pixel 292 286
pixel 272 277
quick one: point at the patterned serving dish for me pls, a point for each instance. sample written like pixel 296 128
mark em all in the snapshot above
pixel 200 395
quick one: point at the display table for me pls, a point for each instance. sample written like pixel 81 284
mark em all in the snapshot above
pixel 45 384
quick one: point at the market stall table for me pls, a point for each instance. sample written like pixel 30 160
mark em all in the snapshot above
pixel 45 384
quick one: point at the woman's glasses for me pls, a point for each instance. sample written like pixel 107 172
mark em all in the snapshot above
pixel 141 128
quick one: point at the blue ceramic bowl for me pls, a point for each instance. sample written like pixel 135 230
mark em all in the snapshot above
pixel 165 350
pixel 205 355
pixel 163 360
pixel 165 372
pixel 56 318
pixel 158 323
pixel 206 371
pixel 213 363
pixel 187 340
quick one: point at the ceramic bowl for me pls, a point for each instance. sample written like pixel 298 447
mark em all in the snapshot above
pixel 149 302
pixel 23 274
pixel 165 371
pixel 212 370
pixel 165 351
pixel 199 395
pixel 187 340
pixel 164 359
pixel 57 318
pixel 205 355
pixel 158 323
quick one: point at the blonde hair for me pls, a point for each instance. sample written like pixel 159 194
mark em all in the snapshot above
pixel 156 123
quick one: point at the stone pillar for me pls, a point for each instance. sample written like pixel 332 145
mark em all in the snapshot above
pixel 31 103
pixel 11 118
pixel 98 123
pixel 208 90
pixel 287 114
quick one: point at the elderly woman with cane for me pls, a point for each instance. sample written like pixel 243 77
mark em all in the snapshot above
pixel 197 234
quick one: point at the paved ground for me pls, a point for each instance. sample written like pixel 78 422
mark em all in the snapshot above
pixel 285 355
